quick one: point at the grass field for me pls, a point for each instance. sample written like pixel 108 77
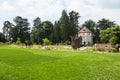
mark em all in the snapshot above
pixel 34 64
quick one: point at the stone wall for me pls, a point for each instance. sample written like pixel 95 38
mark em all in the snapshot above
pixel 105 46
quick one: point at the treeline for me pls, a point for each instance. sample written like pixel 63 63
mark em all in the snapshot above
pixel 59 32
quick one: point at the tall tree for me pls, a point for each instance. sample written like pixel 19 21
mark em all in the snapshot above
pixel 20 29
pixel 37 33
pixel 6 29
pixel 48 28
pixel 90 24
pixel 73 29
pixel 64 26
pixel 105 23
pixel 56 33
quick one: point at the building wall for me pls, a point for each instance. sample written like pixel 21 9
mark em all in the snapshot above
pixel 105 46
pixel 87 38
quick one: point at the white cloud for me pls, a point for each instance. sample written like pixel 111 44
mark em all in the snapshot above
pixel 109 4
pixel 23 2
pixel 6 6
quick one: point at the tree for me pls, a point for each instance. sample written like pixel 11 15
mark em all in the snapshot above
pixel 20 29
pixel 37 33
pixel 64 26
pixel 113 39
pixel 2 37
pixel 90 24
pixel 73 17
pixel 104 24
pixel 48 28
pixel 6 29
pixel 111 35
pixel 56 33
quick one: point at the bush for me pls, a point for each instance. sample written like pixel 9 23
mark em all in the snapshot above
pixel 67 43
pixel 94 49
pixel 1 43
pixel 113 50
pixel 18 42
pixel 8 43
pixel 46 41
pixel 101 49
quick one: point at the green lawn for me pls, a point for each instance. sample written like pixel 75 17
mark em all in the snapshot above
pixel 31 64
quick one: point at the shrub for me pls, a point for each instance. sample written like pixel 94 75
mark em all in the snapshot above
pixel 8 43
pixel 94 49
pixel 18 42
pixel 101 49
pixel 46 41
pixel 113 50
pixel 1 43
pixel 67 43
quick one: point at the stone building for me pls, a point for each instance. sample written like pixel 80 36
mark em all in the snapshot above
pixel 86 35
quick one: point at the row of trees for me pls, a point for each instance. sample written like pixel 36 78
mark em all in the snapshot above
pixel 59 32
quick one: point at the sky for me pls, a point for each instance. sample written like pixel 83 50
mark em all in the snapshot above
pixel 51 9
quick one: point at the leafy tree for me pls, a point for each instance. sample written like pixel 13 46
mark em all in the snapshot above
pixel 20 29
pixel 6 29
pixel 37 33
pixel 90 24
pixel 41 30
pixel 56 33
pixel 73 17
pixel 48 28
pixel 113 39
pixel 104 24
pixel 64 26
pixel 111 35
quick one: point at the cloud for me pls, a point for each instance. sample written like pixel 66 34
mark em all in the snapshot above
pixel 6 6
pixel 51 9
pixel 109 4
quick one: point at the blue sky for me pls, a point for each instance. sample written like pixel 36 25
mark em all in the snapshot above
pixel 51 9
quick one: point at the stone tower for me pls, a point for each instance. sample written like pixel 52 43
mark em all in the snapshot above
pixel 87 36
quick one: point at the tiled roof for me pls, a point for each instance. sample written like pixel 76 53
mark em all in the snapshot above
pixel 84 30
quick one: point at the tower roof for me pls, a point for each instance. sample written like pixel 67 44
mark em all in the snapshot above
pixel 84 30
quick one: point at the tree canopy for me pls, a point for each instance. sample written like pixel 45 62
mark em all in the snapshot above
pixel 111 35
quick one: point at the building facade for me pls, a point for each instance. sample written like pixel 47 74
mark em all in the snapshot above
pixel 86 35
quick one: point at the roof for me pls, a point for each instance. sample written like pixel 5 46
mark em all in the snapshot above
pixel 84 30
